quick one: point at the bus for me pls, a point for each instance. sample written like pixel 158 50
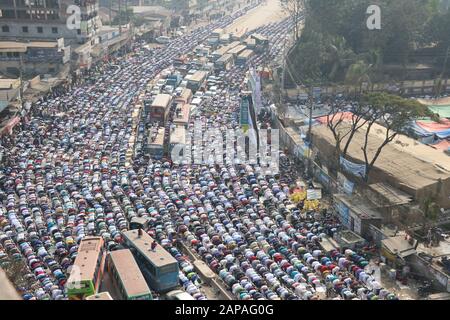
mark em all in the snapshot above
pixel 126 276
pixel 155 143
pixel 100 296
pixel 237 50
pixel 87 270
pixel 159 268
pixel 224 49
pixel 262 43
pixel 160 108
pixel 238 35
pixel 197 80
pixel 244 57
pixel 224 63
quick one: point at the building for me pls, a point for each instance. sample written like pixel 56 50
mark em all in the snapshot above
pixel 356 215
pixel 157 21
pixel 33 58
pixel 48 20
pixel 9 91
pixel 418 170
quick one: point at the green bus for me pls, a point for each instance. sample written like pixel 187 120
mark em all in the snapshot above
pixel 87 271
pixel 126 276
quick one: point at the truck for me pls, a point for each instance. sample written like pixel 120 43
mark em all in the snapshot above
pixel 174 80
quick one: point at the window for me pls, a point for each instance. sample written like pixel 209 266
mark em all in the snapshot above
pixel 25 29
pixel 40 29
pixel 5 28
pixel 79 31
pixel 54 30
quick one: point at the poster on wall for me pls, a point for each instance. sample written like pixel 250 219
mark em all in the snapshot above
pixel 345 184
pixel 314 194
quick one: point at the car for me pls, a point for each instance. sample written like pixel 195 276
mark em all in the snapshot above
pixel 163 39
pixel 161 82
pixel 179 295
pixel 178 91
pixel 168 89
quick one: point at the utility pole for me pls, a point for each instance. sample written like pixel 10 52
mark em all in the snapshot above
pixel 444 68
pixel 311 107
pixel 110 12
pixel 120 17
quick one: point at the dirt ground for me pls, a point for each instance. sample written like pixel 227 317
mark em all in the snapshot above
pixel 271 11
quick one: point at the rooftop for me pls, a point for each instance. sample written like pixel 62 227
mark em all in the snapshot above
pixel 162 100
pixel 160 257
pixel 130 274
pixel 406 164
pixel 183 118
pixel 398 246
pixel 357 206
pixel 178 135
pixel 9 83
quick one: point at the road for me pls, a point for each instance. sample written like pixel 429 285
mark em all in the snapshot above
pixel 263 14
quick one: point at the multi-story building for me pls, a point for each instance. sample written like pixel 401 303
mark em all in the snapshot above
pixel 49 20
pixel 32 58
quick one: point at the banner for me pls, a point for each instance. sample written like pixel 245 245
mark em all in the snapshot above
pixel 255 85
pixel 323 178
pixel 244 115
pixel 358 170
pixel 346 184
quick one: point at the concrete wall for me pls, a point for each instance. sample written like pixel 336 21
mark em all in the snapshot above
pixel 422 267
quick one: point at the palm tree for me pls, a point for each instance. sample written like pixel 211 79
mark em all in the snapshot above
pixel 340 56
pixel 358 73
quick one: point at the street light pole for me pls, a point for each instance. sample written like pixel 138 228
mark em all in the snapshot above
pixel 311 107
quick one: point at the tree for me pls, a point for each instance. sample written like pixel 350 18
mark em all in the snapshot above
pixel 340 56
pixel 406 24
pixel 394 113
pixel 358 73
pixel 335 118
pixel 296 11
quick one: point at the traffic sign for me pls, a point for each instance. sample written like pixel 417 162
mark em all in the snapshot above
pixel 317 92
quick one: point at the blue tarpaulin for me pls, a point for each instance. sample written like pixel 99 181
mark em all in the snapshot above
pixel 358 170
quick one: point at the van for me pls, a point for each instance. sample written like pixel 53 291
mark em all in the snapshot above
pixel 179 295
pixel 163 39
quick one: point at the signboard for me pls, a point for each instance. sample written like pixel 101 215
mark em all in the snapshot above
pixel 357 225
pixel 303 96
pixel 317 92
pixel 323 178
pixel 314 194
pixel 344 215
pixel 255 84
